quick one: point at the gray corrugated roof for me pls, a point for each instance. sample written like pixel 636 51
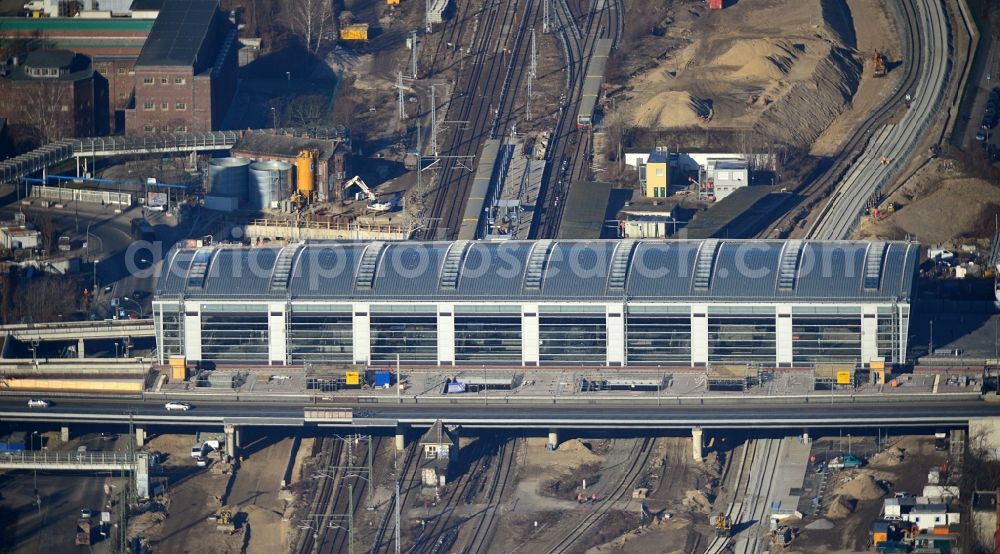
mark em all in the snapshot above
pixel 178 33
pixel 658 270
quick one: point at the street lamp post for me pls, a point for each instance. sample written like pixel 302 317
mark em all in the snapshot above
pixel 116 350
pixel 138 305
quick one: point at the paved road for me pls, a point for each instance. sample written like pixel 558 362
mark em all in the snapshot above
pixel 863 414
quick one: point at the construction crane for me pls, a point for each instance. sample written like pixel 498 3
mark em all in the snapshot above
pixel 373 202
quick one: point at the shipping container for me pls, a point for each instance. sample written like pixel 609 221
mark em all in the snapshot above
pixel 383 379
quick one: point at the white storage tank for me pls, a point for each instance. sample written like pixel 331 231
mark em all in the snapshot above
pixel 228 177
pixel 268 183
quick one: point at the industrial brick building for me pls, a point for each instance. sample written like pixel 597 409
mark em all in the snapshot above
pixel 185 76
pixel 113 45
pixel 598 303
pixel 49 94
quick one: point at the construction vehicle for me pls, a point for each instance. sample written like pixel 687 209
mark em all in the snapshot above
pixel 84 533
pixel 374 204
pixel 848 461
pixel 225 522
pixel 723 525
pixel 878 65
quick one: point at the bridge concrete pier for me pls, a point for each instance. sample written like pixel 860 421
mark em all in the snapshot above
pixel 232 440
pixel 400 437
pixel 697 442
pixel 64 433
pixel 140 437
pixel 79 348
pixel 553 439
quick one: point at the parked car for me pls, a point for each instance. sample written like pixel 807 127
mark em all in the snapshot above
pixel 202 462
pixel 38 403
pixel 848 461
pixel 182 406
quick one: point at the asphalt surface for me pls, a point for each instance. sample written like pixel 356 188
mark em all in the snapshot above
pixel 870 413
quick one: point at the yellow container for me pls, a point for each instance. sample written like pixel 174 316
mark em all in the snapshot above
pixel 877 363
pixel 353 378
pixel 843 377
pixel 178 372
pixel 175 361
pixel 358 31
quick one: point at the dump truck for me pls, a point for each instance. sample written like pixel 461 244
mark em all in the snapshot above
pixel 84 534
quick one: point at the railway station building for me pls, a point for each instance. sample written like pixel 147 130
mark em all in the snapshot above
pixel 504 304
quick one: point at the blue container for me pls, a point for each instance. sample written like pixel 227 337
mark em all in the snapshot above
pixel 383 378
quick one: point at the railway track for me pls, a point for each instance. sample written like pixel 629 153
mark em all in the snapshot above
pixel 572 145
pixel 478 105
pixel 893 146
pixel 331 450
pixel 502 475
pixel 824 179
pixel 335 538
pixel 408 468
pixel 639 459
pixel 438 536
pixel 754 477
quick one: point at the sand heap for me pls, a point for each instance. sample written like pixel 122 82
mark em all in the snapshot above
pixel 759 59
pixel 862 487
pixel 841 507
pixel 672 109
pixel 577 448
pixel 697 500
pixel 891 457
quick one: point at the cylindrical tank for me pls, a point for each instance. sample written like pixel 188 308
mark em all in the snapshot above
pixel 304 179
pixel 228 177
pixel 268 183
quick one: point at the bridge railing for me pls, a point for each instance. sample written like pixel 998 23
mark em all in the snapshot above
pixel 67 458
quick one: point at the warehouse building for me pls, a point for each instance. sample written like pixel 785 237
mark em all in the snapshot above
pixel 539 303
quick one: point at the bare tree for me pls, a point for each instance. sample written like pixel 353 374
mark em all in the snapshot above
pixel 48 116
pixel 311 21
pixel 47 228
pixel 308 111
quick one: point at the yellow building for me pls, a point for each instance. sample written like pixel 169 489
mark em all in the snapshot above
pixel 657 174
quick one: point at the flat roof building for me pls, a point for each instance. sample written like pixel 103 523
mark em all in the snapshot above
pixel 682 303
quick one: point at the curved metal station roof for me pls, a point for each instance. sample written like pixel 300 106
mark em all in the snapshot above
pixel 546 270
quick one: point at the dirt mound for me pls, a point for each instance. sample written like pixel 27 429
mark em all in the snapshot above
pixel 574 446
pixel 761 59
pixel 862 487
pixel 970 202
pixel 672 109
pixel 891 457
pixel 841 507
pixel 820 525
pixel 805 107
pixel 697 500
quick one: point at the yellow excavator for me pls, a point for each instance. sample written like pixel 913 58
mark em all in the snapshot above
pixel 723 525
